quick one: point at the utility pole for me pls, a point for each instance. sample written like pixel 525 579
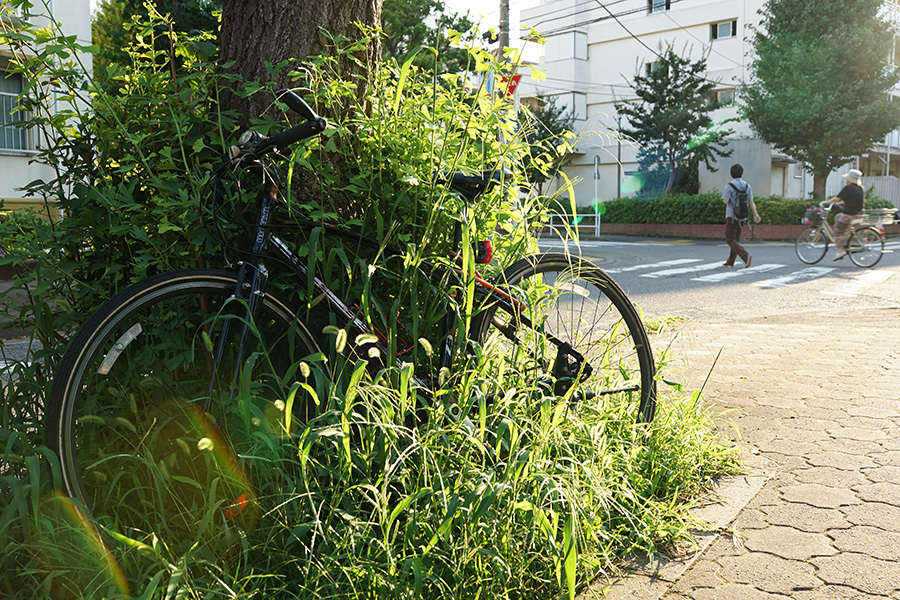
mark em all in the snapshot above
pixel 504 24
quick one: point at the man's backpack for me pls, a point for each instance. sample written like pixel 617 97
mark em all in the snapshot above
pixel 741 202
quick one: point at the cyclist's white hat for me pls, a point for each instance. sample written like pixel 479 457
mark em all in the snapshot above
pixel 854 176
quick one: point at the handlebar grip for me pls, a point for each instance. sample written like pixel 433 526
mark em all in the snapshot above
pixel 297 104
pixel 282 139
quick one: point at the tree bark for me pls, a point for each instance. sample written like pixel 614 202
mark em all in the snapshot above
pixel 819 186
pixel 254 33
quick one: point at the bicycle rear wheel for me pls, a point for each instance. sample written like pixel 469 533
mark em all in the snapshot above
pixel 865 247
pixel 569 300
pixel 126 414
pixel 811 245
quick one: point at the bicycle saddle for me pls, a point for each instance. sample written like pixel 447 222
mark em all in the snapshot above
pixel 474 185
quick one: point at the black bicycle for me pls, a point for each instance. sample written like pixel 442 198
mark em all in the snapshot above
pixel 156 405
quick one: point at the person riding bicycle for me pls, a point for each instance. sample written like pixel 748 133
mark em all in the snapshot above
pixel 851 198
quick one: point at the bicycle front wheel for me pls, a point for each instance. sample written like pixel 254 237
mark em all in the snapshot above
pixel 562 300
pixel 865 247
pixel 127 412
pixel 811 245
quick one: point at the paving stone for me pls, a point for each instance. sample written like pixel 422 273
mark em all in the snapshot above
pixel 833 592
pixel 804 517
pixel 768 573
pixel 750 518
pixel 819 495
pixel 860 571
pixel 789 543
pixel 882 474
pixel 787 447
pixel 806 422
pixel 886 491
pixel 876 514
pixel 734 592
pixel 841 460
pixel 868 540
pixel 830 476
pixel 848 446
pixel 858 433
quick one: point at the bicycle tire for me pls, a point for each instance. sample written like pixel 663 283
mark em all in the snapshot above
pixel 811 245
pixel 136 449
pixel 865 247
pixel 582 305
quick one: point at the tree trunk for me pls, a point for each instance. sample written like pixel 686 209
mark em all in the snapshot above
pixel 819 186
pixel 254 33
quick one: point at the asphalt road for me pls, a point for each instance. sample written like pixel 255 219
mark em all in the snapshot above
pixel 685 279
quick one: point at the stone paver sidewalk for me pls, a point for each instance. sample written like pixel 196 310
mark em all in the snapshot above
pixel 819 420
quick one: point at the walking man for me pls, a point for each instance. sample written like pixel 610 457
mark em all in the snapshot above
pixel 738 199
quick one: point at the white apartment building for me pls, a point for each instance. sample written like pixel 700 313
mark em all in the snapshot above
pixel 17 146
pixel 592 51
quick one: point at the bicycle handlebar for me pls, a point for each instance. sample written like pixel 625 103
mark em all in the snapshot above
pixel 297 104
pixel 299 132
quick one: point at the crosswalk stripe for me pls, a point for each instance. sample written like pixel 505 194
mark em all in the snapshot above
pixel 665 263
pixel 684 270
pixel 859 283
pixel 740 272
pixel 795 277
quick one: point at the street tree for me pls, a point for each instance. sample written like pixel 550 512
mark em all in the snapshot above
pixel 410 24
pixel 113 38
pixel 672 119
pixel 256 33
pixel 821 81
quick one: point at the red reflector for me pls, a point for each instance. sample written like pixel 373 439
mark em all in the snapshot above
pixel 236 508
pixel 484 252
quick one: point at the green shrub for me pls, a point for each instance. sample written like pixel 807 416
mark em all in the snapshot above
pixel 709 209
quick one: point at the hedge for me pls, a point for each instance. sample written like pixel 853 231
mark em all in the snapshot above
pixel 706 209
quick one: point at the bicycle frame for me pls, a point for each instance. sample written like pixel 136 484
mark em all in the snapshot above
pixel 253 280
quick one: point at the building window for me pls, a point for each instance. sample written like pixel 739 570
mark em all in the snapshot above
pixel 659 5
pixel 724 97
pixel 651 67
pixel 726 29
pixel 12 137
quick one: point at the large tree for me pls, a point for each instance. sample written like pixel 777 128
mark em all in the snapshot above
pixel 112 37
pixel 822 81
pixel 671 120
pixel 256 33
pixel 409 24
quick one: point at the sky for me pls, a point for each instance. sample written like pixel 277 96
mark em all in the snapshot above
pixel 490 10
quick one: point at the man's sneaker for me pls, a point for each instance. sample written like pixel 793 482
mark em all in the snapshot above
pixel 749 260
pixel 839 255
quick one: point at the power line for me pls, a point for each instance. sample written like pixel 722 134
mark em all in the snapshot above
pixel 565 14
pixel 604 18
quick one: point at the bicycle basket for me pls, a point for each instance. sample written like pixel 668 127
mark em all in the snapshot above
pixel 814 215
pixel 878 216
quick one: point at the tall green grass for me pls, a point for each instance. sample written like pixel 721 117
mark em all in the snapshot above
pixel 532 498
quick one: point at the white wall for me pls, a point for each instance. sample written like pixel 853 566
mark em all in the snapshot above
pixel 17 168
